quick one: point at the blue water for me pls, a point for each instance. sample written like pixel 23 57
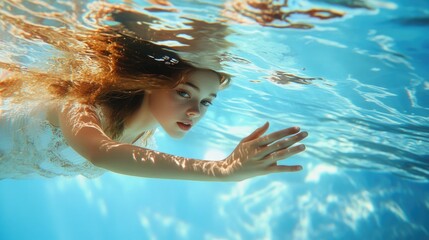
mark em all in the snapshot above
pixel 366 168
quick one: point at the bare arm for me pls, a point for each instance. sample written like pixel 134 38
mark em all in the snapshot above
pixel 254 155
pixel 81 129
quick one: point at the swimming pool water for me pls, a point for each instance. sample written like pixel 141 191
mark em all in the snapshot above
pixel 358 84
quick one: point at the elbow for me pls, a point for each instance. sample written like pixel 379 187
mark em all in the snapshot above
pixel 95 158
pixel 104 158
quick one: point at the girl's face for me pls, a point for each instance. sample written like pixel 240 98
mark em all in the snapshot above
pixel 177 110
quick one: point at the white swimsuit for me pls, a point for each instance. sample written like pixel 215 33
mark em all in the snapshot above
pixel 30 146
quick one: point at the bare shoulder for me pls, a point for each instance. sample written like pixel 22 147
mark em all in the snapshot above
pixel 58 111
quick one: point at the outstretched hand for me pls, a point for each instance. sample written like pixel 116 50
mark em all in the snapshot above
pixel 258 155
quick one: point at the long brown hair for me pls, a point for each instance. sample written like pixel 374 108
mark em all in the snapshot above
pixel 135 65
pixel 108 66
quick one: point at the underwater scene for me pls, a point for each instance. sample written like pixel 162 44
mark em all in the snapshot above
pixel 354 74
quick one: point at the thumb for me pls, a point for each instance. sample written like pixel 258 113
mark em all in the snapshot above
pixel 257 133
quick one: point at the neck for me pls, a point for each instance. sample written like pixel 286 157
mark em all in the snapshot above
pixel 141 121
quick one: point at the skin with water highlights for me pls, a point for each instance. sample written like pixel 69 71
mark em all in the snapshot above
pixel 110 88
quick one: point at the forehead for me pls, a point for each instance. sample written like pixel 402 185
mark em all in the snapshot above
pixel 205 80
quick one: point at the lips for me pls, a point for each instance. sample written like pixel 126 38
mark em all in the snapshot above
pixel 185 126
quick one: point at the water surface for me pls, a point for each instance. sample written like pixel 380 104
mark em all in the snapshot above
pixel 357 82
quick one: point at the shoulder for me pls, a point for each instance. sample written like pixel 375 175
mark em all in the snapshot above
pixel 76 111
pixel 58 111
pixel 80 122
pixel 82 129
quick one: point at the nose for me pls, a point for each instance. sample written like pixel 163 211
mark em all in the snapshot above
pixel 193 112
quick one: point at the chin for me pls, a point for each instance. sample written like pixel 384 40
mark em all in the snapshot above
pixel 176 135
pixel 174 132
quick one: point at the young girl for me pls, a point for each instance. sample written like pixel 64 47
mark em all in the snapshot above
pixel 91 121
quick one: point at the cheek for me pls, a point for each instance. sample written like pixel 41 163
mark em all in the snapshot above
pixel 163 105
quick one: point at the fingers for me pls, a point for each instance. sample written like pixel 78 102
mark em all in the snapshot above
pixel 282 168
pixel 280 145
pixel 257 133
pixel 272 137
pixel 285 143
pixel 283 154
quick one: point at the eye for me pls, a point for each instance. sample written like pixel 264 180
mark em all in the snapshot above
pixel 206 103
pixel 183 94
